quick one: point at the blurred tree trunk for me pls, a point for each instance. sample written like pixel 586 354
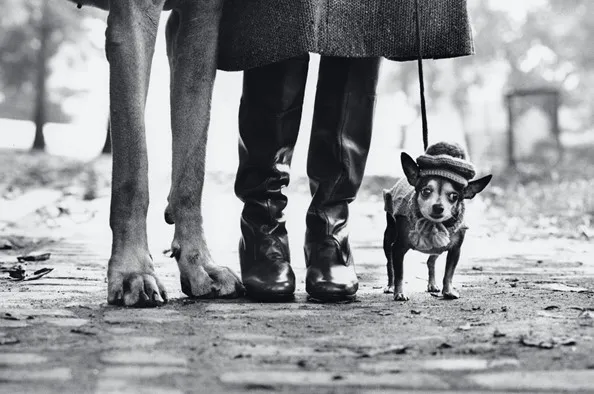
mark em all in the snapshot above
pixel 41 82
pixel 107 145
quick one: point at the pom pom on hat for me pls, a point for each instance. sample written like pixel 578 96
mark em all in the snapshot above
pixel 448 161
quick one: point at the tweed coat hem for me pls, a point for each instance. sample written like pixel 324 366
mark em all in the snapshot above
pixel 258 32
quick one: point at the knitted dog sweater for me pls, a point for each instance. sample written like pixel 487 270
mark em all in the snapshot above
pixel 424 236
pixel 398 198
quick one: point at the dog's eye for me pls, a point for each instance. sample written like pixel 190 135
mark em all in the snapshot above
pixel 426 192
pixel 453 197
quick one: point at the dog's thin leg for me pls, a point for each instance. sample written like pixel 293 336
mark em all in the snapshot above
pixel 389 237
pixel 398 261
pixel 431 285
pixel 192 40
pixel 451 263
pixel 130 42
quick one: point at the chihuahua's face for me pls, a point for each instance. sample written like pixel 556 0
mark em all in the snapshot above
pixel 438 199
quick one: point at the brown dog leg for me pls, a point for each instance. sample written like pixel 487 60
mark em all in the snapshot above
pixel 192 34
pixel 398 262
pixel 130 42
pixel 451 262
pixel 389 236
pixel 431 286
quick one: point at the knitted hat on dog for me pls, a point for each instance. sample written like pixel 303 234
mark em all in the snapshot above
pixel 446 160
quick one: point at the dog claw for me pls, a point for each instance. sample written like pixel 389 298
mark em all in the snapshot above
pixel 134 289
pixel 115 299
pixel 400 297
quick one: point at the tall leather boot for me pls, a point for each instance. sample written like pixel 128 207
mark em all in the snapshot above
pixel 340 139
pixel 269 120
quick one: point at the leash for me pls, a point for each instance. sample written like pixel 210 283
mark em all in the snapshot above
pixel 421 79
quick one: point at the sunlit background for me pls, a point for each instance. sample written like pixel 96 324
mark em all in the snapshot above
pixel 536 44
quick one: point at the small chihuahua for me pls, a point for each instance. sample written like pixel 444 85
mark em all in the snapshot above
pixel 425 212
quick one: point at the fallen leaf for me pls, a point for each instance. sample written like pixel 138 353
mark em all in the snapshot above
pixel 477 268
pixel 39 273
pixel 9 340
pixel 465 327
pixel 551 307
pixel 535 342
pixel 398 349
pixel 16 272
pixel 498 334
pixel 415 312
pixel 34 257
pixel 445 345
pixel 35 275
pixel 580 308
pixel 83 331
pixel 385 313
pixel 565 341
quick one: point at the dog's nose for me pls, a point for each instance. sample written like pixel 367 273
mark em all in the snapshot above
pixel 437 209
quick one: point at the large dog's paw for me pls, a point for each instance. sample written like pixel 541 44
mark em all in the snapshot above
pixel 388 289
pixel 400 297
pixel 200 278
pixel 451 294
pixel 134 283
pixel 432 288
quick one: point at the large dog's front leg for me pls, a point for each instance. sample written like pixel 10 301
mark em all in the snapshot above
pixel 130 41
pixel 192 36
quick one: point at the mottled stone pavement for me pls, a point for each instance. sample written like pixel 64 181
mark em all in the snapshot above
pixel 525 322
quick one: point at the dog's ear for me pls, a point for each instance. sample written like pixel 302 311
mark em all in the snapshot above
pixel 477 186
pixel 410 167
